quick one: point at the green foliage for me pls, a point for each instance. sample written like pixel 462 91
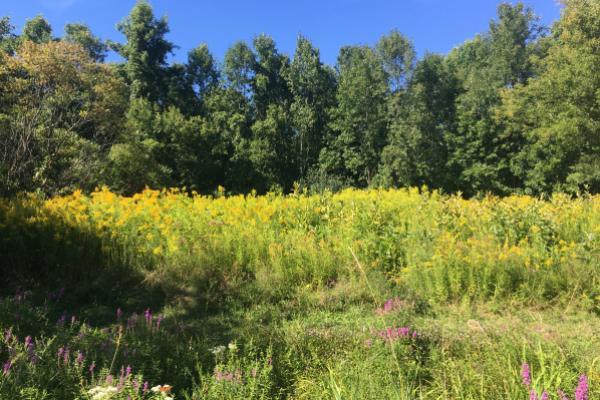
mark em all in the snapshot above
pixel 558 110
pixel 145 52
pixel 312 85
pixel 362 294
pixel 8 38
pixel 511 111
pixel 420 118
pixel 81 34
pixel 37 30
pixel 480 153
pixel 358 124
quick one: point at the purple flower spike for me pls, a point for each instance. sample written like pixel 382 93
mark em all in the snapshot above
pixel 533 395
pixel 79 359
pixel 127 371
pixel 148 316
pixel 61 352
pixel 582 388
pixel 62 319
pixel 28 342
pixel 388 305
pixel 7 367
pixel 109 380
pixel 145 389
pixel 544 395
pixel 8 335
pixel 562 395
pixel 92 367
pixel 158 321
pixel 526 374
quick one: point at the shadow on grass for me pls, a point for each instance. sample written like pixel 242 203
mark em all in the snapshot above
pixel 50 259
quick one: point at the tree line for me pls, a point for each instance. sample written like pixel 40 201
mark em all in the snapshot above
pixel 514 110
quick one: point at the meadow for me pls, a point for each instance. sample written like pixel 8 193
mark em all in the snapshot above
pixel 362 294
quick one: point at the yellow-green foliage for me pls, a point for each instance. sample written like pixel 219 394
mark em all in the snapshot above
pixel 442 247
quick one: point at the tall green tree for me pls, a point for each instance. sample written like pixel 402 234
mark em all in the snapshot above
pixel 202 70
pixel 312 85
pixel 479 152
pixel 272 149
pixel 559 111
pixel 37 30
pixel 82 35
pixel 8 39
pixel 358 127
pixel 239 66
pixel 420 118
pixel 58 113
pixel 397 55
pixel 145 52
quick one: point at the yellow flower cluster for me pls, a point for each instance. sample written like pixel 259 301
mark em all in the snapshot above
pixel 402 232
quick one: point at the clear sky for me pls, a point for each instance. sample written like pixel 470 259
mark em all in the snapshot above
pixel 433 25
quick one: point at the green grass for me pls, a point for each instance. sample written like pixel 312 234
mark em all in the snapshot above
pixel 265 313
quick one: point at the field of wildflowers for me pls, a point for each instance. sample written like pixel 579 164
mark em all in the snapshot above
pixel 399 294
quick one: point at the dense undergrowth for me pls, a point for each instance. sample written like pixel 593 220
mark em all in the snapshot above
pixel 396 294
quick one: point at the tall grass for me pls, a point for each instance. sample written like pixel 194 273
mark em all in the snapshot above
pixel 297 286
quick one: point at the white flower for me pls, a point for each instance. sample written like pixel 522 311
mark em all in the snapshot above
pixel 217 350
pixel 102 392
pixel 164 390
pixel 156 389
pixel 232 346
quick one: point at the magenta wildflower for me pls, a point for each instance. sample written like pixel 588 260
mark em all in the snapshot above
pixel 388 305
pixel 127 371
pixel 397 333
pixel 28 342
pixel 33 358
pixel 526 374
pixel 544 395
pixel 109 380
pixel 92 367
pixel 119 313
pixel 148 316
pixel 158 321
pixel 533 395
pixel 79 358
pixel 562 395
pixel 145 388
pixel 121 379
pixel 62 319
pixel 135 384
pixel 61 352
pixel 582 388
pixel 6 368
pixel 66 356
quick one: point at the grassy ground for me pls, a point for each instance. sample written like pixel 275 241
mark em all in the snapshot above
pixel 359 295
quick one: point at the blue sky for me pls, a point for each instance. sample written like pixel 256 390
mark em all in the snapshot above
pixel 433 25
